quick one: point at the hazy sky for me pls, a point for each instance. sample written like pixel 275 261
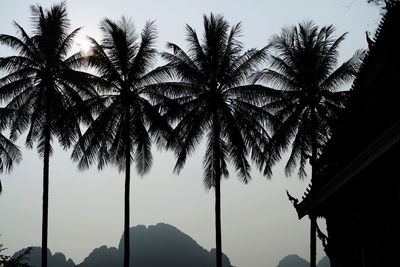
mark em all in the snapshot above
pixel 259 225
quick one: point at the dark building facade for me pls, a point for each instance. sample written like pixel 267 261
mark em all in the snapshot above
pixel 357 187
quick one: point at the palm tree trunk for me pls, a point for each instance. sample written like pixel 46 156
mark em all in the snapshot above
pixel 45 207
pixel 217 187
pixel 218 238
pixel 127 212
pixel 313 241
pixel 127 190
pixel 313 219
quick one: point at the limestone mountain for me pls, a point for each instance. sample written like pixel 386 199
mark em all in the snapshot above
pixel 58 259
pixel 296 261
pixel 160 245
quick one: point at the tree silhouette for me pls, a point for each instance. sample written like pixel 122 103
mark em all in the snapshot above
pixel 304 66
pixel 44 90
pixel 212 98
pixel 126 118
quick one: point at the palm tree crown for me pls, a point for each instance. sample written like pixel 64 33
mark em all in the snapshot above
pixel 304 67
pixel 214 100
pixel 44 88
pixel 125 117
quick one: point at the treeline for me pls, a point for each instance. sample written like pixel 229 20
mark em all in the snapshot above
pixel 251 105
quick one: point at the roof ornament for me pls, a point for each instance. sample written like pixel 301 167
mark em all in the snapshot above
pixel 295 201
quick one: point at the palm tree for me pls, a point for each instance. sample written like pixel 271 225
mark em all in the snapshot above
pixel 126 119
pixel 212 98
pixel 43 88
pixel 305 68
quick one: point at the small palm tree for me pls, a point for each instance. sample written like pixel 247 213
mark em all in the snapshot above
pixel 212 98
pixel 126 119
pixel 305 68
pixel 43 88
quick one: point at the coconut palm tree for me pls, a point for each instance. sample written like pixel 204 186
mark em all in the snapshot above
pixel 305 67
pixel 213 99
pixel 43 89
pixel 125 118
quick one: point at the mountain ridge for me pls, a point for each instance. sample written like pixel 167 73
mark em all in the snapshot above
pixel 294 260
pixel 160 245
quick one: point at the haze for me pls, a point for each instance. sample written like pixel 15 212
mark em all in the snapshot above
pixel 259 224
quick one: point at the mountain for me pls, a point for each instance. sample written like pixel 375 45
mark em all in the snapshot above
pixel 58 259
pixel 160 245
pixel 103 256
pixel 293 261
pixel 296 261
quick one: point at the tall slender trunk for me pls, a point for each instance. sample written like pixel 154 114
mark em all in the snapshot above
pixel 313 241
pixel 45 206
pixel 217 187
pixel 218 237
pixel 127 213
pixel 127 191
pixel 313 218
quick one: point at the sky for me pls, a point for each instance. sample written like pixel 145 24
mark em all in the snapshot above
pixel 259 224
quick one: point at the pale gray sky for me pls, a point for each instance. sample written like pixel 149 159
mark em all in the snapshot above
pixel 259 225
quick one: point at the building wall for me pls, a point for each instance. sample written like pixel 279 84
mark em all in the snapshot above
pixel 363 219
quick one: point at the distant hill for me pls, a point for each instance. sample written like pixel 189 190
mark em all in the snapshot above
pixel 161 245
pixel 293 261
pixel 103 256
pixel 58 259
pixel 296 261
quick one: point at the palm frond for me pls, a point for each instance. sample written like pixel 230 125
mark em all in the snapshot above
pixel 303 67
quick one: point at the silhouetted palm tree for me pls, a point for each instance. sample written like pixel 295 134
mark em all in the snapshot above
pixel 305 68
pixel 213 99
pixel 126 118
pixel 43 88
